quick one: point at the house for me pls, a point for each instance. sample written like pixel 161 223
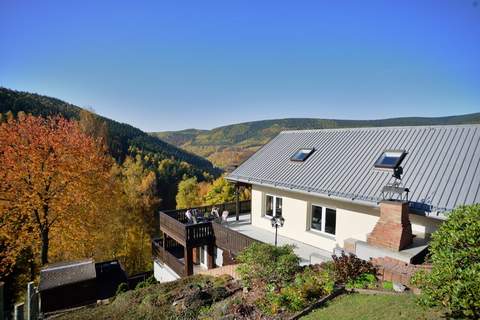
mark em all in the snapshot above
pixel 77 283
pixel 376 192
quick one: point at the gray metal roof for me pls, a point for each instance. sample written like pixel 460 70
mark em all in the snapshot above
pixel 441 169
pixel 56 275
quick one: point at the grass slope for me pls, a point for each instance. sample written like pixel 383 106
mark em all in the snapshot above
pixel 229 145
pixel 373 307
pixel 152 302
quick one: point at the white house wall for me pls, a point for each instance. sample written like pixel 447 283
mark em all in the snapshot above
pixel 353 220
pixel 163 273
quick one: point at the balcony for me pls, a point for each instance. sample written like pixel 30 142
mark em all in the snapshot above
pixel 172 256
pixel 181 237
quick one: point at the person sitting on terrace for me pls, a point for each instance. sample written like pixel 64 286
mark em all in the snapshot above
pixel 215 213
pixel 189 216
pixel 224 216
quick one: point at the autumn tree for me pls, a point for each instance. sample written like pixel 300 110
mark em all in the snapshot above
pixel 220 191
pixel 192 193
pixel 93 126
pixel 188 193
pixel 50 168
pixel 131 220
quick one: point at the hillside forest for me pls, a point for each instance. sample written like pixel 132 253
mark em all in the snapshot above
pixel 73 188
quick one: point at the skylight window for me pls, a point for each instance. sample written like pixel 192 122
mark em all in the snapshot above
pixel 302 154
pixel 390 159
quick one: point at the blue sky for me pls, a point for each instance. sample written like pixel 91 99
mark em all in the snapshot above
pixel 168 65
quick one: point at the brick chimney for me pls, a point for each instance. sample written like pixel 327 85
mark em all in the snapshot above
pixel 393 230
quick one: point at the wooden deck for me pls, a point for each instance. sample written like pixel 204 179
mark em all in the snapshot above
pixel 175 227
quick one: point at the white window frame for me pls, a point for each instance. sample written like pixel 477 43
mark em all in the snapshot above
pixel 324 215
pixel 274 205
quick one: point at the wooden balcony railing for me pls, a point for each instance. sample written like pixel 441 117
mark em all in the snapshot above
pixel 245 207
pixel 167 258
pixel 174 223
pixel 229 239
pixel 173 227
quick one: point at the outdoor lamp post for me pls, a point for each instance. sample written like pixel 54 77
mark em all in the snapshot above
pixel 277 221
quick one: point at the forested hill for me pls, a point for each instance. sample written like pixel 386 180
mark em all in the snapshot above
pixel 123 140
pixel 229 145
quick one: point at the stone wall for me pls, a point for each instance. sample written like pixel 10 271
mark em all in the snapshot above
pixel 397 271
pixel 230 270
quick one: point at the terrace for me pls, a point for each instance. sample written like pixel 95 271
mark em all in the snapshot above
pixel 181 239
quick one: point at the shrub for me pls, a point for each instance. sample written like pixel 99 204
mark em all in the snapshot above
pixel 364 281
pixel 147 282
pixel 350 267
pixel 263 264
pixel 312 283
pixel 455 256
pixel 122 287
pixel 387 285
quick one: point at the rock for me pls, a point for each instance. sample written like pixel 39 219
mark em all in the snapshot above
pixel 398 287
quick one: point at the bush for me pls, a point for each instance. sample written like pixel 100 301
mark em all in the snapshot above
pixel 455 256
pixel 364 281
pixel 387 285
pixel 147 282
pixel 308 286
pixel 122 287
pixel 263 264
pixel 349 267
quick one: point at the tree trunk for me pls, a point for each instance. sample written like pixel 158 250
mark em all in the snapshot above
pixel 44 251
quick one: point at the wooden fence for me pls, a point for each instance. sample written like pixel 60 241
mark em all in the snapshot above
pixel 229 239
pixel 245 207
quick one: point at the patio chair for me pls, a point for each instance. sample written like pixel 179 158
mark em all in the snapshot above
pixel 224 216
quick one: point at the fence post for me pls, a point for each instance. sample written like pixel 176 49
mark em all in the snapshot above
pixel 18 311
pixel 2 304
pixel 237 201
pixel 31 305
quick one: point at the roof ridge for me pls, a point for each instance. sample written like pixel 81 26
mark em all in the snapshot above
pixel 438 126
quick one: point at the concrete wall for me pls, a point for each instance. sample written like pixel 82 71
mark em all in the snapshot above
pixel 163 273
pixel 353 220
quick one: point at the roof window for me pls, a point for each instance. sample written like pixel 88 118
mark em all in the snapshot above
pixel 390 159
pixel 302 154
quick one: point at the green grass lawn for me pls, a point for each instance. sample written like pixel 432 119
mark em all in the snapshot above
pixel 373 307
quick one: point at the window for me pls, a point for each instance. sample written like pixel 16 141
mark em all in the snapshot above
pixel 269 208
pixel 271 203
pixel 390 159
pixel 323 219
pixel 302 154
pixel 316 218
pixel 278 207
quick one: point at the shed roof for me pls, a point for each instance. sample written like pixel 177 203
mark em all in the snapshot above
pixel 441 169
pixel 60 274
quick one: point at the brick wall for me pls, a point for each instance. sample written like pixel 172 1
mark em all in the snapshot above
pixel 230 270
pixel 390 269
pixel 393 230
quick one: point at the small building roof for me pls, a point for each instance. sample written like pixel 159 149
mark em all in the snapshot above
pixel 441 169
pixel 63 273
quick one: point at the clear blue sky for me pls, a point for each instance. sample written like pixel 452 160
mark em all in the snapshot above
pixel 167 65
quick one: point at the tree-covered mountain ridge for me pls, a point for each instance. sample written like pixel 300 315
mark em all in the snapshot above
pixel 169 162
pixel 123 135
pixel 230 145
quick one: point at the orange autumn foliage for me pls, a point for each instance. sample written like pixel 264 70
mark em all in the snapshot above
pixel 51 179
